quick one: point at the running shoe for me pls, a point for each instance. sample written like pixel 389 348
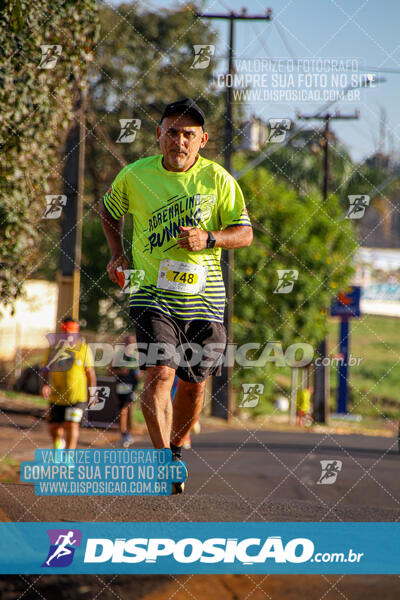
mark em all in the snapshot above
pixel 126 440
pixel 196 427
pixel 187 442
pixel 178 486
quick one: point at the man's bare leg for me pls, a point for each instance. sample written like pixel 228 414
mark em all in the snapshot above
pixel 71 435
pixel 124 419
pixel 156 404
pixel 56 431
pixel 188 403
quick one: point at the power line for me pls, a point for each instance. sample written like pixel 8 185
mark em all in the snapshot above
pixel 284 39
pixel 222 387
pixel 297 61
pixel 321 390
pixel 263 155
pixel 261 41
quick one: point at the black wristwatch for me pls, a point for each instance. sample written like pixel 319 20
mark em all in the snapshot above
pixel 210 240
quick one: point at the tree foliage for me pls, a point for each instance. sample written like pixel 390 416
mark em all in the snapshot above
pixel 300 162
pixel 304 234
pixel 36 106
pixel 143 62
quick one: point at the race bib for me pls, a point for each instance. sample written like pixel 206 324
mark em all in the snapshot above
pixel 182 277
pixel 73 414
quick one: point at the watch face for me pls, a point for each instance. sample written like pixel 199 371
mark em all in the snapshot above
pixel 211 240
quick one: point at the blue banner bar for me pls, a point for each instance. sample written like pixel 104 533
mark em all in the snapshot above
pixel 175 548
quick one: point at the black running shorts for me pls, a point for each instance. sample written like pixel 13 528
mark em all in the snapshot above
pixel 61 414
pixel 193 348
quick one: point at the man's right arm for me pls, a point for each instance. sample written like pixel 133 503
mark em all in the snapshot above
pixel 45 389
pixel 114 229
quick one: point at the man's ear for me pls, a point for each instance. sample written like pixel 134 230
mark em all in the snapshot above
pixel 158 132
pixel 204 139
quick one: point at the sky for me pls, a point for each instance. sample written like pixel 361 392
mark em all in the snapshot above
pixel 362 32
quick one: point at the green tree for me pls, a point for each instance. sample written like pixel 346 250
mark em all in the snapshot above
pixel 36 104
pixel 143 62
pixel 304 234
pixel 300 161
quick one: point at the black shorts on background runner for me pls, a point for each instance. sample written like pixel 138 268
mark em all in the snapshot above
pixel 60 413
pixel 125 387
pixel 154 327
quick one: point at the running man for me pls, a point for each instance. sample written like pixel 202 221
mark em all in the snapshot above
pixel 185 209
pixel 67 370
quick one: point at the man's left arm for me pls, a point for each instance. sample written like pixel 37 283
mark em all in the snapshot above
pixel 91 376
pixel 234 229
pixel 236 236
pixel 90 373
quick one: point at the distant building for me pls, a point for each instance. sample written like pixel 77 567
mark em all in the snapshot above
pixel 254 134
pixel 35 315
pixel 379 161
pixel 380 226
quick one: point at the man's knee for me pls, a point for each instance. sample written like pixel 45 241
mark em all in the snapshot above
pixel 56 428
pixel 159 375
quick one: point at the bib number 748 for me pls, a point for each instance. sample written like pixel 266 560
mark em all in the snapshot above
pixel 190 278
pixel 177 276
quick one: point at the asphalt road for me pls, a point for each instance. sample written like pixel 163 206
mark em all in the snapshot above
pixel 246 475
pixel 279 466
pixel 233 476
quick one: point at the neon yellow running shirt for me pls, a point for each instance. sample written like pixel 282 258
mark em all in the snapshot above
pixel 186 285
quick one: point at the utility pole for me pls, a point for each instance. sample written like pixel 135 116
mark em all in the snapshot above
pixel 321 371
pixel 71 220
pixel 221 404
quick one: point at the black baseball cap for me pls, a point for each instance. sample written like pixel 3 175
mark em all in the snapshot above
pixel 187 106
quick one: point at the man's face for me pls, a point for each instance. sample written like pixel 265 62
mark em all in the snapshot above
pixel 180 138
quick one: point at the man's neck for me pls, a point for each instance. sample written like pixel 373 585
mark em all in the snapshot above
pixel 169 168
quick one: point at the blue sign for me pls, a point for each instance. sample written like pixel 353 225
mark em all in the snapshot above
pixel 343 385
pixel 184 547
pixel 347 304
